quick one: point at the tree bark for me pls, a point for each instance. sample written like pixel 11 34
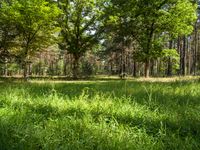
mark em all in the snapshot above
pixel 194 64
pixel 135 69
pixel 76 66
pixel 183 58
pixel 122 65
pixel 30 70
pixel 65 65
pixel 25 61
pixel 152 68
pixel 147 68
pixel 6 68
pixel 25 73
pixel 169 65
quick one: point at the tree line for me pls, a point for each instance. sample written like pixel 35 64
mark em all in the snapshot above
pixel 78 38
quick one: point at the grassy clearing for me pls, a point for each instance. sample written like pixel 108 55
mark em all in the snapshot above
pixel 100 115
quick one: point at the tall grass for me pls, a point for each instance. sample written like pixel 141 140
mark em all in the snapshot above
pixel 107 115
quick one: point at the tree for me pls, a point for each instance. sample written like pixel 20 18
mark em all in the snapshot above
pixel 35 21
pixel 150 22
pixel 80 24
pixel 8 33
pixel 8 30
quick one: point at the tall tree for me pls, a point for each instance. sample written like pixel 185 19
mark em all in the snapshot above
pixel 36 24
pixel 80 25
pixel 151 21
pixel 8 31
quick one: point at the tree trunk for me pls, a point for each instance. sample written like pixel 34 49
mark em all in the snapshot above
pixel 75 66
pixel 187 57
pixel 25 73
pixel 169 65
pixel 65 65
pixel 147 68
pixel 182 60
pixel 135 69
pixel 152 68
pixel 39 68
pixel 121 72
pixel 6 69
pixel 179 51
pixel 30 70
pixel 52 68
pixel 123 65
pixel 156 68
pixel 194 64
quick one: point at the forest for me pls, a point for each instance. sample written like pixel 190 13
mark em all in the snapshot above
pixel 83 38
pixel 99 75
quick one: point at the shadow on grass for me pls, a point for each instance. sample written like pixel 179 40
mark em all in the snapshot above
pixel 45 127
pixel 70 131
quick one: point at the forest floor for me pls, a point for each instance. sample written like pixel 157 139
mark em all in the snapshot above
pixel 107 114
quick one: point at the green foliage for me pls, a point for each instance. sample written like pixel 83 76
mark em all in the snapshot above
pixel 170 53
pixel 173 55
pixel 8 31
pixel 181 18
pixel 81 28
pixel 151 22
pixel 80 24
pixel 121 26
pixel 34 21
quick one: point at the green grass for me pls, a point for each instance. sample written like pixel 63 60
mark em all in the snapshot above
pixel 100 115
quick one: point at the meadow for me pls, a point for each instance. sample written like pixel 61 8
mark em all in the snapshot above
pixel 100 115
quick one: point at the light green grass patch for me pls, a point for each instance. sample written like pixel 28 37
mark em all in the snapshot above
pixel 100 115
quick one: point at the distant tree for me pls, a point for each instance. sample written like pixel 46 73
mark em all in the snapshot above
pixel 150 22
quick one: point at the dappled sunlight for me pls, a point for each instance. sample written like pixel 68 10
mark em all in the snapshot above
pixel 74 82
pixel 127 114
pixel 99 75
pixel 169 79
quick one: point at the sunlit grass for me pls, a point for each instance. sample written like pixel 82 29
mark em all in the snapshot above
pixel 100 115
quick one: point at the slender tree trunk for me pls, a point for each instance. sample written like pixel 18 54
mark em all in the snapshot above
pixel 194 64
pixel 25 71
pixel 25 65
pixel 169 65
pixel 156 68
pixel 179 51
pixel 111 68
pixel 152 68
pixel 29 69
pixel 135 69
pixel 122 65
pixel 188 57
pixel 71 63
pixel 65 66
pixel 147 68
pixel 183 58
pixel 6 69
pixel 39 68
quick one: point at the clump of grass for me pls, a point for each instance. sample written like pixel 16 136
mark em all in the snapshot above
pixel 100 115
